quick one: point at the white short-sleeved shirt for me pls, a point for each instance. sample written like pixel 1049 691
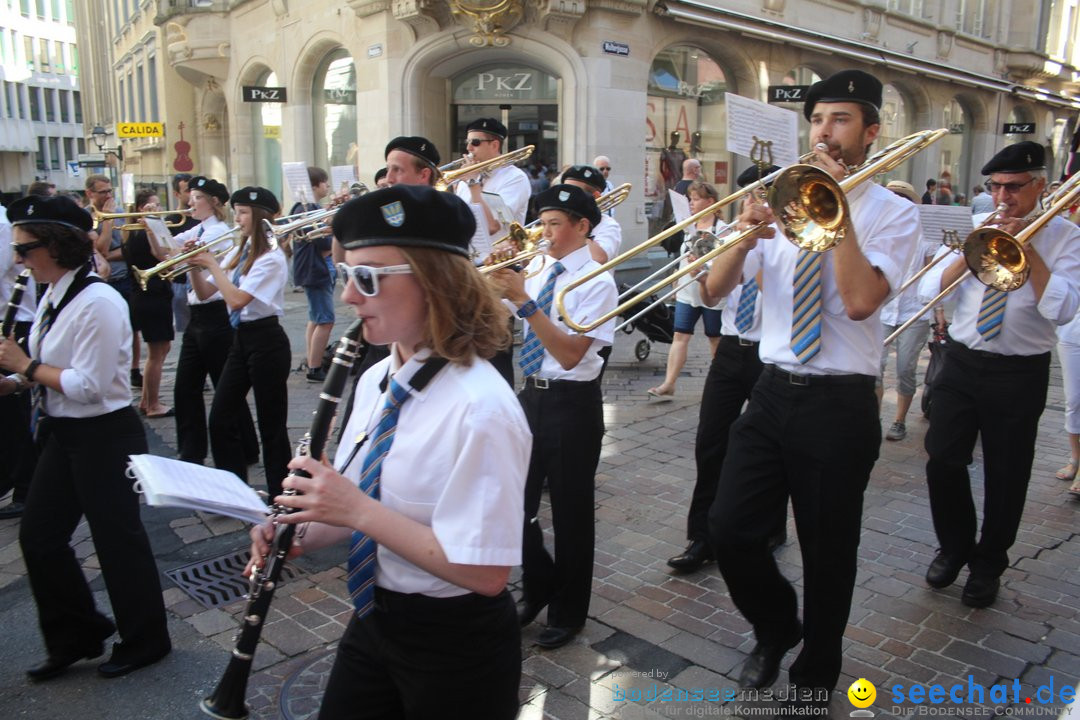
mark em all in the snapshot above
pixel 90 341
pixel 905 305
pixel 887 229
pixel 211 228
pixel 587 302
pixel 265 283
pixel 727 320
pixel 512 185
pixel 608 235
pixel 1028 328
pixel 457 464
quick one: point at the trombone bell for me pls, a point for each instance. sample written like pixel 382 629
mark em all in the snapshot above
pixel 997 259
pixel 810 207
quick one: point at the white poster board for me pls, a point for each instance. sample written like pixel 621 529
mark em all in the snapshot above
pixel 680 205
pixel 749 120
pixel 296 179
pixel 342 177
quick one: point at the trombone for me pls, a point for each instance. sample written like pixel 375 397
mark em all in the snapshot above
pixel 100 217
pixel 316 220
pixel 996 258
pixel 177 265
pixel 450 177
pixel 811 208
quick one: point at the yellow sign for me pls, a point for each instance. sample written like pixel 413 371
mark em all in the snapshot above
pixel 140 130
pixel 272 132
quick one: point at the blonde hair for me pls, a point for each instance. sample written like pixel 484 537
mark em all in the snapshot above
pixel 465 318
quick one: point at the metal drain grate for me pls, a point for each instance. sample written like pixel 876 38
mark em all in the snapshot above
pixel 218 581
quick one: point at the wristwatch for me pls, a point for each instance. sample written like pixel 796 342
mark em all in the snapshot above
pixel 475 181
pixel 528 309
pixel 31 369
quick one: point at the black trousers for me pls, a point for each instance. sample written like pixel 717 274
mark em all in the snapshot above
pixel 734 371
pixel 81 471
pixel 203 351
pixel 567 423
pixel 20 457
pixel 969 401
pixel 817 444
pixel 416 657
pixel 259 359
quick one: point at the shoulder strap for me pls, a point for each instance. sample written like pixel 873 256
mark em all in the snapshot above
pixel 82 279
pixel 421 377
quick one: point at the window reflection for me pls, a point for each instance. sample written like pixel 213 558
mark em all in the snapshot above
pixel 334 102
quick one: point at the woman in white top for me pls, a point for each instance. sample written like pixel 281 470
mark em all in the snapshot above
pixel 80 355
pixel 689 306
pixel 252 283
pixel 1069 354
pixel 435 633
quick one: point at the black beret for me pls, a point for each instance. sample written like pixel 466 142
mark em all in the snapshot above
pixel 845 86
pixel 258 197
pixel 209 186
pixel 419 146
pixel 750 175
pixel 571 199
pixel 380 174
pixel 407 216
pixel 491 126
pixel 1021 157
pixel 586 174
pixel 54 210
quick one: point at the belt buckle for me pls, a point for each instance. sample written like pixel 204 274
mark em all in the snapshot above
pixel 798 380
pixel 541 383
pixel 743 342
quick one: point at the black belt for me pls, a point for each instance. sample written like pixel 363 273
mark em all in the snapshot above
pixel 957 346
pixel 545 384
pixel 737 340
pixel 260 323
pixel 818 380
pixel 417 604
pixel 212 307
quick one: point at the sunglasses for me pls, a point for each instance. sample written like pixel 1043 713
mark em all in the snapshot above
pixel 1011 188
pixel 604 169
pixel 23 249
pixel 366 278
pixel 474 142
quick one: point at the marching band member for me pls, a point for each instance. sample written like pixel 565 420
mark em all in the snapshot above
pixel 811 430
pixel 313 270
pixel 208 336
pixel 997 340
pixel 80 355
pixel 563 403
pixel 607 236
pixel 442 448
pixel 486 139
pixel 252 284
pixel 411 161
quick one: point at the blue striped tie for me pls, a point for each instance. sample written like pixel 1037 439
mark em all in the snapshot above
pixel 234 315
pixel 744 314
pixel 532 350
pixel 806 304
pixel 991 313
pixel 361 567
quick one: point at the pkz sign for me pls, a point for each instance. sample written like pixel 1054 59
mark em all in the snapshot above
pixel 254 93
pixel 504 83
pixel 1018 129
pixel 788 93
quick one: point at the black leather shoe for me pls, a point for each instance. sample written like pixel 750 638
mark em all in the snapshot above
pixel 980 591
pixel 556 637
pixel 527 611
pixel 763 665
pixel 943 571
pixel 697 553
pixel 120 664
pixel 13 510
pixel 57 665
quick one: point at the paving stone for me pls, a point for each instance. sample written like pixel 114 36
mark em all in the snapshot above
pixel 213 621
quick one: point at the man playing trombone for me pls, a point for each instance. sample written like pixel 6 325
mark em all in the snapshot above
pixel 811 431
pixel 999 342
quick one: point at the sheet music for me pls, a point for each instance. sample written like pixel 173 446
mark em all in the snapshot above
pixel 498 208
pixel 937 219
pixel 342 176
pixel 168 482
pixel 296 178
pixel 747 119
pixel 680 205
pixel 155 227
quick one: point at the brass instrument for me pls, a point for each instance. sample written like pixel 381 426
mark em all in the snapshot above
pixel 810 206
pixel 613 197
pixel 450 177
pixel 100 217
pixel 996 258
pixel 311 221
pixel 177 265
pixel 455 164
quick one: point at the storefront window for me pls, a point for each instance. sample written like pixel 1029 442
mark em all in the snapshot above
pixel 333 98
pixel 266 138
pixel 895 124
pixel 953 175
pixel 684 118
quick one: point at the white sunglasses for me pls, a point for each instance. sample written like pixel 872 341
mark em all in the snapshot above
pixel 366 278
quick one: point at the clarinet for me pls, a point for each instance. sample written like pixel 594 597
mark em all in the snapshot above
pixel 227 700
pixel 13 304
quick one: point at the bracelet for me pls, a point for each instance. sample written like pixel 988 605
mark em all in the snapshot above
pixel 31 369
pixel 528 309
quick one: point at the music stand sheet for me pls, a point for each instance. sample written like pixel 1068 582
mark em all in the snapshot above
pixel 749 120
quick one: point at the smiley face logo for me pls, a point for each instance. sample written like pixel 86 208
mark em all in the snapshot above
pixel 862 693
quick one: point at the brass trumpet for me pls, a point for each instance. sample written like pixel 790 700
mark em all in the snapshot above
pixel 100 217
pixel 177 265
pixel 450 177
pixel 312 220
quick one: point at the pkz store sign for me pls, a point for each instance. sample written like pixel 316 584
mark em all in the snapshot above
pixel 254 93
pixel 788 93
pixel 1019 128
pixel 506 83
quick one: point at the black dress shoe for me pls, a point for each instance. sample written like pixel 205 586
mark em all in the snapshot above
pixel 56 665
pixel 13 510
pixel 763 665
pixel 121 663
pixel 980 591
pixel 527 611
pixel 943 570
pixel 697 553
pixel 556 637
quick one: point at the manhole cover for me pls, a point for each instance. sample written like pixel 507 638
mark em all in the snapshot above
pixel 218 581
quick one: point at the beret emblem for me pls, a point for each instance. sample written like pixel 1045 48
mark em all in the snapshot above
pixel 851 87
pixel 394 214
pixel 253 195
pixel 30 210
pixel 564 196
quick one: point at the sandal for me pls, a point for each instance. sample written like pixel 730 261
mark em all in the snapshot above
pixel 1068 472
pixel 655 393
pixel 1075 488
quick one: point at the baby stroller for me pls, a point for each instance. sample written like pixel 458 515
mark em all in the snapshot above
pixel 657 324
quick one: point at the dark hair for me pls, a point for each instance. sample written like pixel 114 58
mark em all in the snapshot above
pixel 92 180
pixel 142 196
pixel 40 187
pixel 317 176
pixel 69 247
pixel 256 243
pixel 870 115
pixel 421 165
pixel 178 178
pixel 931 183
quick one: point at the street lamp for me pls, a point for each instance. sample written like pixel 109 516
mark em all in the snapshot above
pixel 98 135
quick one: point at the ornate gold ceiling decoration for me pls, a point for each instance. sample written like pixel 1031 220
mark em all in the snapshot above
pixel 490 19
